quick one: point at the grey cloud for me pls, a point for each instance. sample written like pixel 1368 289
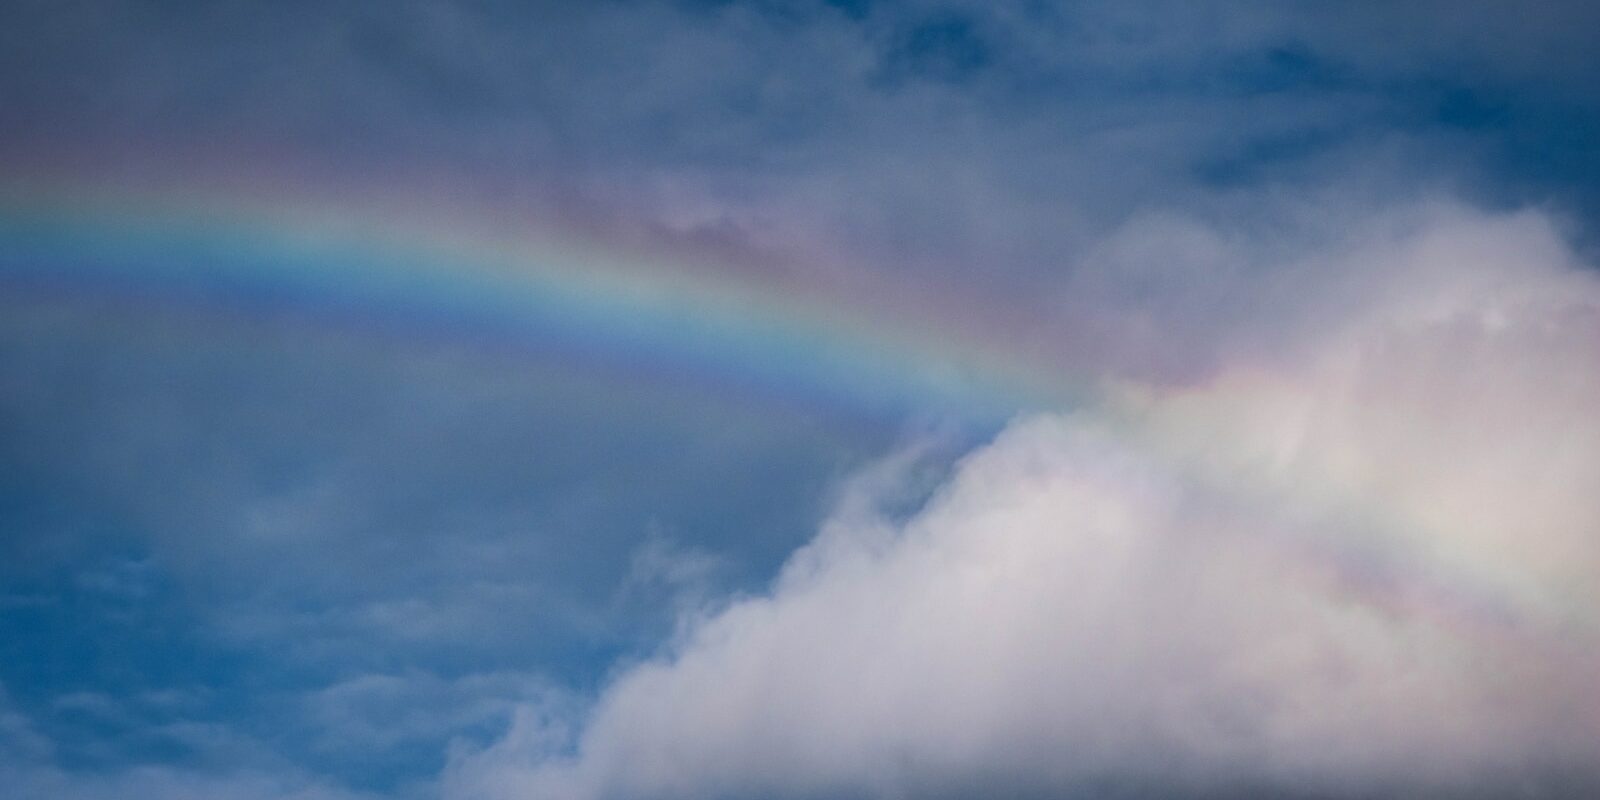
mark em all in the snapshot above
pixel 936 136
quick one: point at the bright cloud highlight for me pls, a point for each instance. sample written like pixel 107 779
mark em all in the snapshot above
pixel 1360 556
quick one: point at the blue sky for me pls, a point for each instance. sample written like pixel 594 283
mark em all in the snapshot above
pixel 257 554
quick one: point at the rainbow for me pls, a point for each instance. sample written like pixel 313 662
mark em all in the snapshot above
pixel 743 332
pixel 775 343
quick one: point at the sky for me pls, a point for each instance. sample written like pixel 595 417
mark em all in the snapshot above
pixel 799 399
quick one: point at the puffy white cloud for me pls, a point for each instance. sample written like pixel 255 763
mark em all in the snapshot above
pixel 1360 554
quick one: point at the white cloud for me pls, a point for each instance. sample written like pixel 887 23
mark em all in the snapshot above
pixel 1362 551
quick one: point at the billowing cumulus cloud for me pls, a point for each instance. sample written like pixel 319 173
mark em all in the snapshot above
pixel 1360 556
